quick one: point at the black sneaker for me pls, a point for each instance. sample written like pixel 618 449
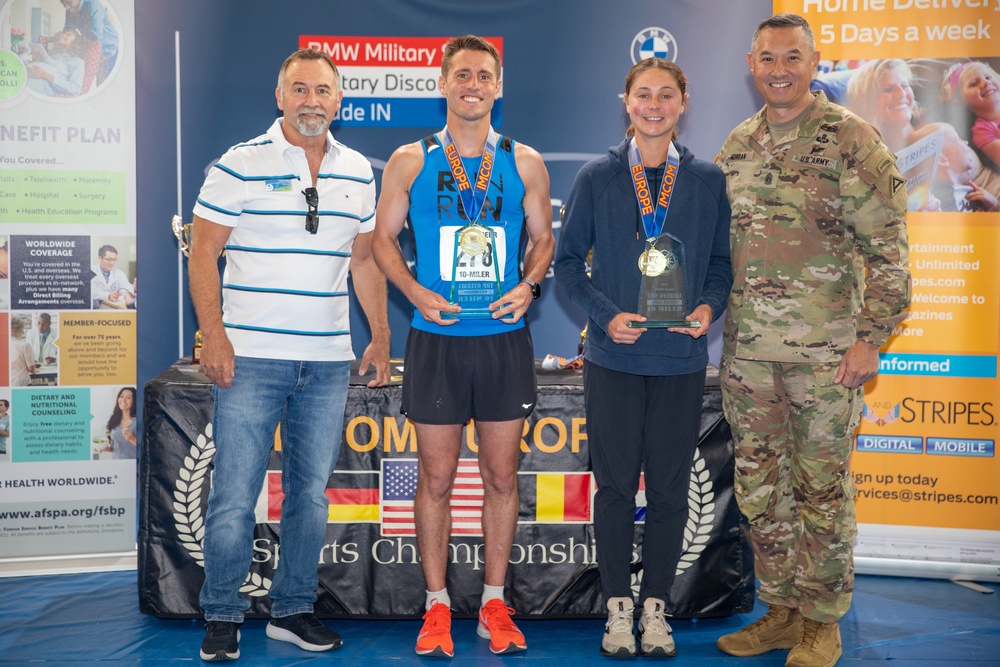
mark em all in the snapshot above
pixel 222 641
pixel 305 631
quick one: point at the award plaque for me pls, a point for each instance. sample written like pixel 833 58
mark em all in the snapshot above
pixel 475 273
pixel 661 292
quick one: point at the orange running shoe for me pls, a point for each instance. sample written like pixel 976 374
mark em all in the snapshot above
pixel 435 636
pixel 495 625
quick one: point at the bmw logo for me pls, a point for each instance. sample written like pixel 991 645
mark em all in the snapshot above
pixel 654 42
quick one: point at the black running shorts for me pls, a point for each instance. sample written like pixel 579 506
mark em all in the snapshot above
pixel 451 379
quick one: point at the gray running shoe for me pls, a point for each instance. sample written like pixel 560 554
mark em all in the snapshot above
pixel 655 639
pixel 618 640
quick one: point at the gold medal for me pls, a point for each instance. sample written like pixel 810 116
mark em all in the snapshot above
pixel 472 240
pixel 652 262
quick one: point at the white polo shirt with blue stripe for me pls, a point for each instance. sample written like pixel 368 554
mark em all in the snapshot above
pixel 284 290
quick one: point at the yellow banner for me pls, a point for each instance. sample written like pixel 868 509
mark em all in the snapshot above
pixel 955 281
pixel 846 29
pixel 926 453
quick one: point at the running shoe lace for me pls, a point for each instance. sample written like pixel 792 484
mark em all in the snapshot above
pixel 656 624
pixel 436 618
pixel 310 622
pixel 498 617
pixel 620 621
pixel 215 629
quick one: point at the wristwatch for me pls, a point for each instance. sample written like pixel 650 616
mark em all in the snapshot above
pixel 536 289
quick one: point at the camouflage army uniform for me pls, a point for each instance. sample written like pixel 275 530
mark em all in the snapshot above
pixel 819 251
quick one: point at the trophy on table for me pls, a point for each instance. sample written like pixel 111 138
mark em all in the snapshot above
pixel 183 233
pixel 475 272
pixel 661 292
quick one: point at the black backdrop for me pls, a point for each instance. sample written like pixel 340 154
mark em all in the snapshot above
pixel 365 572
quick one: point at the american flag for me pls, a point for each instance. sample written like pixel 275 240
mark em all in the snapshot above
pixel 399 487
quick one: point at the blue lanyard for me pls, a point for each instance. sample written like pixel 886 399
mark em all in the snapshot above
pixel 653 214
pixel 473 196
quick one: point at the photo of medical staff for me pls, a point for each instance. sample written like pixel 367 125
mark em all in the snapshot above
pixel 68 47
pixel 113 285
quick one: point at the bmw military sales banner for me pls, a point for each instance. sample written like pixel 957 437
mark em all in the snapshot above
pixel 925 462
pixel 391 81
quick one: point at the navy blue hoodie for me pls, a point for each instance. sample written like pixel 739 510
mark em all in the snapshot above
pixel 602 213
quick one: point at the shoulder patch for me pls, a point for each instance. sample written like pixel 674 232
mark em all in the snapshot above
pixel 895 183
pixel 876 166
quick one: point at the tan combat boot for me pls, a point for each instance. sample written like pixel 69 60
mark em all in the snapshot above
pixel 778 628
pixel 819 645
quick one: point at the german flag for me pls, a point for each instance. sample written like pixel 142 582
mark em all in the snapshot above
pixel 353 497
pixel 555 497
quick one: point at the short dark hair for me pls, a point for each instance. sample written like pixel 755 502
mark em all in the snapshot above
pixel 5 402
pixel 468 43
pixel 783 21
pixel 105 249
pixel 46 317
pixel 308 54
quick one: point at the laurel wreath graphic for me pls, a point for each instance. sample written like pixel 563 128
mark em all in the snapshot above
pixel 701 514
pixel 188 518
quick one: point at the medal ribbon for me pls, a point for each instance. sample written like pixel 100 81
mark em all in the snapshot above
pixel 473 196
pixel 653 214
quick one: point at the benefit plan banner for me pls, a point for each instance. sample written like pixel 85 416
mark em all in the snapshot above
pixel 68 406
pixel 925 464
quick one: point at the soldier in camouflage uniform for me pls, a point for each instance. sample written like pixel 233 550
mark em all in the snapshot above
pixel 819 252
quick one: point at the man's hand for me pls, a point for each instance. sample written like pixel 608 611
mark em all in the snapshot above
pixel 619 331
pixel 218 361
pixel 430 305
pixel 512 306
pixel 376 353
pixel 859 365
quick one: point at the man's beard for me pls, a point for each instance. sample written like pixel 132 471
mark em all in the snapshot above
pixel 311 126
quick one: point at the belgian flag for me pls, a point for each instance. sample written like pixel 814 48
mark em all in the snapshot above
pixel 555 497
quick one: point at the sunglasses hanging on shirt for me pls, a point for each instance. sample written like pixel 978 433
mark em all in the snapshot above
pixel 312 216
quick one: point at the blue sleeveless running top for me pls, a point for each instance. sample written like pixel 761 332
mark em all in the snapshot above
pixel 436 213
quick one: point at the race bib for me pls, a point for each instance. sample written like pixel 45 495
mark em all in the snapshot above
pixel 480 266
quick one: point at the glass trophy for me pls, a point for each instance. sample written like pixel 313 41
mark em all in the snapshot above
pixel 475 273
pixel 661 292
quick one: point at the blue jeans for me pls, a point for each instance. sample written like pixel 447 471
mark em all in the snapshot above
pixel 308 399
